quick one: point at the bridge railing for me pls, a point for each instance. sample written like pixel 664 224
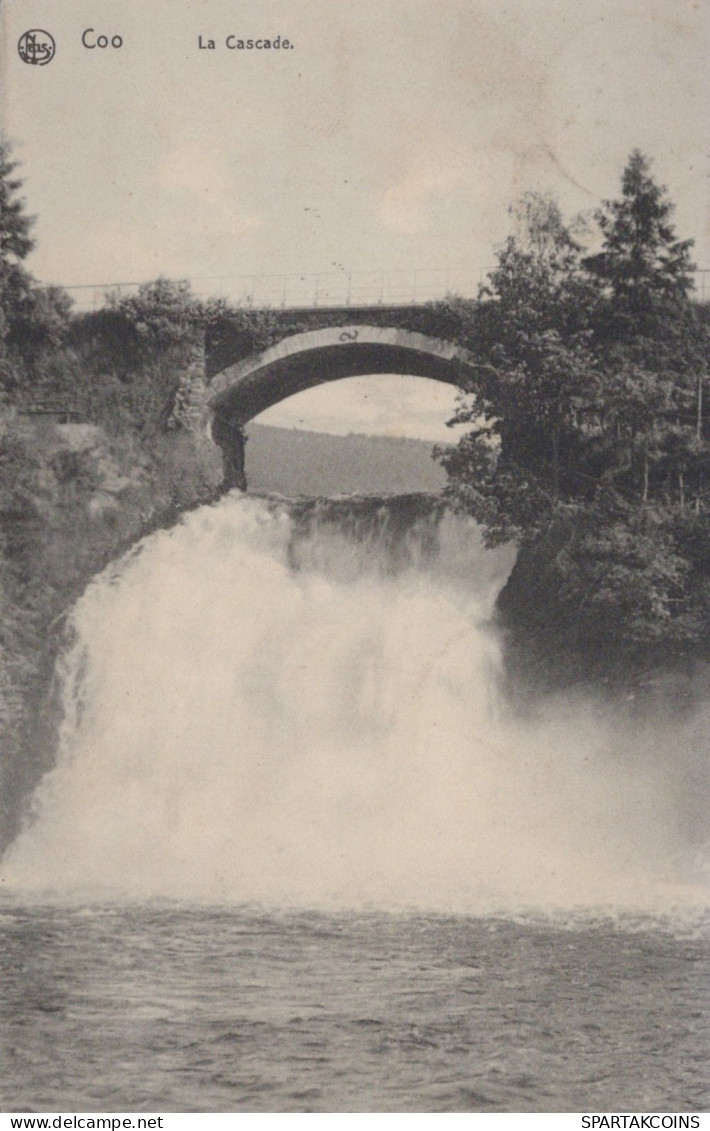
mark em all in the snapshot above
pixel 326 289
pixel 309 289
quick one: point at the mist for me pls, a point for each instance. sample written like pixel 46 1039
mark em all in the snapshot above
pixel 304 708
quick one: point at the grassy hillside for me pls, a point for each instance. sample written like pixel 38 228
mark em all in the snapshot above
pixel 294 462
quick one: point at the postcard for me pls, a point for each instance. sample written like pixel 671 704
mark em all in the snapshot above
pixel 355 487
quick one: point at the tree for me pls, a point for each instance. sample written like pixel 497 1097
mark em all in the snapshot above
pixel 588 444
pixel 535 374
pixel 133 354
pixel 33 320
pixel 649 339
pixel 15 240
pixel 15 245
pixel 643 267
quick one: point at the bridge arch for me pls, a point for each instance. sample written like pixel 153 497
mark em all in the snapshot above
pixel 302 361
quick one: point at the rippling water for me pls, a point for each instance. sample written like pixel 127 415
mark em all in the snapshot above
pixel 177 1008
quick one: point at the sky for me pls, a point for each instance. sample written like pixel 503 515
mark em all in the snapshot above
pixel 391 138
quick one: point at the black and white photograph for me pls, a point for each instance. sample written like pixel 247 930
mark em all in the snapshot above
pixel 355 559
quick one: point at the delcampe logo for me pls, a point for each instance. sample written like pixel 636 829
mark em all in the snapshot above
pixel 36 47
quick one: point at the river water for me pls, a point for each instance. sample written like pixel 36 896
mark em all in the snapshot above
pixel 298 854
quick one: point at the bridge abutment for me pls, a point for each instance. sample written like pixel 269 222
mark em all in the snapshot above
pixel 190 409
pixel 231 440
pixel 191 413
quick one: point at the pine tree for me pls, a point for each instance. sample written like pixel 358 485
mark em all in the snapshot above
pixel 649 340
pixel 15 245
pixel 643 267
pixel 15 226
pixel 33 320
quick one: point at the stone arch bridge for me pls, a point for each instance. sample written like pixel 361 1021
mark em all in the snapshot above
pixel 301 361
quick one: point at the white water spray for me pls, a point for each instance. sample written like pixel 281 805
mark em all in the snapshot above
pixel 263 709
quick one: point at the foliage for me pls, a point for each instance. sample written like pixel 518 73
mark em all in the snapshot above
pixel 643 267
pixel 127 358
pixel 15 240
pixel 535 374
pixel 588 444
pixel 33 320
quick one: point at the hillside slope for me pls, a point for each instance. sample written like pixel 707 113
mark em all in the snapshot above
pixel 294 462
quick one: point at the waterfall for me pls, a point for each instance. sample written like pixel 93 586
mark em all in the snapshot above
pixel 299 704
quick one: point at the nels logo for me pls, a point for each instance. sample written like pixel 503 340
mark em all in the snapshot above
pixel 36 47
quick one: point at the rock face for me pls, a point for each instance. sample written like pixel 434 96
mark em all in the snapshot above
pixel 231 440
pixel 72 499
